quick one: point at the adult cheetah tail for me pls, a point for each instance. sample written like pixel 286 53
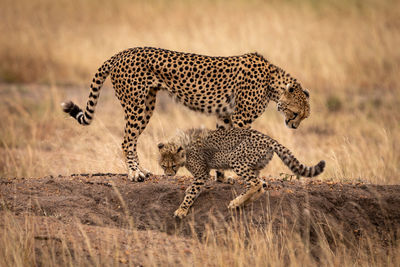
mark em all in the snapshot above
pixel 295 166
pixel 85 118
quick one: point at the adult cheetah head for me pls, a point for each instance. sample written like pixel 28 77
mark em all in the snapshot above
pixel 294 104
pixel 172 157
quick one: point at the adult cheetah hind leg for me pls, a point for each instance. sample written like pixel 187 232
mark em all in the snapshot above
pixel 136 121
pixel 135 172
pixel 148 110
pixel 129 147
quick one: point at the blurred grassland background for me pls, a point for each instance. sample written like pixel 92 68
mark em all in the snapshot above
pixel 346 53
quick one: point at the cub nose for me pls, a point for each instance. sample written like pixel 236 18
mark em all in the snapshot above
pixel 170 173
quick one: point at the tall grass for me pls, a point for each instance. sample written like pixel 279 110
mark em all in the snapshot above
pixel 48 242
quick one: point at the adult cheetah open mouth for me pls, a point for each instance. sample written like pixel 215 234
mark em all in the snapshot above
pixel 295 114
pixel 293 126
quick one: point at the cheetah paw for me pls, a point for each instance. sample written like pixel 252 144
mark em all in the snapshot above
pixel 225 180
pixel 180 213
pixel 236 203
pixel 146 173
pixel 136 176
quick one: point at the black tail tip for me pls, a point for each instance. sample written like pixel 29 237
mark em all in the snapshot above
pixel 70 108
pixel 321 165
pixel 67 106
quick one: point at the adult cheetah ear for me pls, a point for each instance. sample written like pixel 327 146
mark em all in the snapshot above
pixel 306 93
pixel 289 88
pixel 160 145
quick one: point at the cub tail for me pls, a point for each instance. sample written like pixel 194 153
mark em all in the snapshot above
pixel 295 166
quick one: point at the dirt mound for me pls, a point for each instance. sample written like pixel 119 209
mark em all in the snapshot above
pixel 345 211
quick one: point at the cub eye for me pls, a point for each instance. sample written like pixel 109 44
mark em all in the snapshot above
pixel 295 114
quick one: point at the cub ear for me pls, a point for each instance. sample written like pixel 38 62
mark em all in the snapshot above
pixel 180 148
pixel 160 145
pixel 306 93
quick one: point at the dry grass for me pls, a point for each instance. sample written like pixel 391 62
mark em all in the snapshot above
pixel 46 242
pixel 345 52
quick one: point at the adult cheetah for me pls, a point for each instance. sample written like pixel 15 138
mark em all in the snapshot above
pixel 236 89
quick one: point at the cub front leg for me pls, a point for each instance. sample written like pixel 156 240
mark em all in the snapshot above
pixel 191 193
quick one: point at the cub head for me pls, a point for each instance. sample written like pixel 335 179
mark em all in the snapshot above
pixel 172 157
pixel 294 104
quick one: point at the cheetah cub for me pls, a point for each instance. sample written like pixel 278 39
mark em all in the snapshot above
pixel 245 151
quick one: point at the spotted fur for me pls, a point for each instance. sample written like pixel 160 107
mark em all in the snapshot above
pixel 245 151
pixel 235 89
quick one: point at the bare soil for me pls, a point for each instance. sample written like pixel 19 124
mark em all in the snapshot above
pixel 99 203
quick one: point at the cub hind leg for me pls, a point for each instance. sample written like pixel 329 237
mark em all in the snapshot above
pixel 254 187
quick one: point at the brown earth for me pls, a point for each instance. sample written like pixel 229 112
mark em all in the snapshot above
pixel 92 205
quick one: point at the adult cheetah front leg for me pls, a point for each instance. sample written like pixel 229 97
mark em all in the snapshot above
pixel 245 114
pixel 224 122
pixel 239 119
